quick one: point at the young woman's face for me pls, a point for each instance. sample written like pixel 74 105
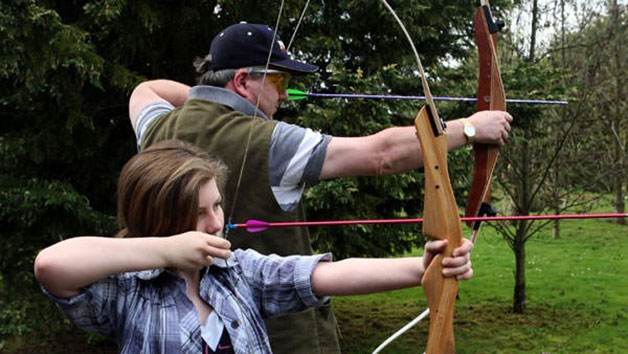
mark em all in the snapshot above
pixel 210 214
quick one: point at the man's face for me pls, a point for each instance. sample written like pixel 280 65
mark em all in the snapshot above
pixel 269 90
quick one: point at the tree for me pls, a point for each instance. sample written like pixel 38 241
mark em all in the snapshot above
pixel 554 161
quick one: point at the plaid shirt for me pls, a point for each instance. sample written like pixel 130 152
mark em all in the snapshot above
pixel 149 311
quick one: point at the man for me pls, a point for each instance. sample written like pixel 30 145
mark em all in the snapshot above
pixel 230 115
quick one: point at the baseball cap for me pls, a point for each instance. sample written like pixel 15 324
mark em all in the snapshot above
pixel 247 44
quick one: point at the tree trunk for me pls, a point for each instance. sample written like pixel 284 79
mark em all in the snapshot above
pixel 525 202
pixel 519 297
pixel 562 31
pixel 519 301
pixel 618 150
pixel 556 231
pixel 535 17
pixel 557 170
pixel 618 185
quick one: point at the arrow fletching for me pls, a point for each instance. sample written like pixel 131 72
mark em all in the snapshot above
pixel 253 226
pixel 295 95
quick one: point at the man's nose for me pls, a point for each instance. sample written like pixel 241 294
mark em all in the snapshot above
pixel 283 94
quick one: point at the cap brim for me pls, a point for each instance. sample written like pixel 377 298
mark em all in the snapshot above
pixel 294 67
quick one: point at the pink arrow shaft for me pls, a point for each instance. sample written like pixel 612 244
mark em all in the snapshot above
pixel 257 226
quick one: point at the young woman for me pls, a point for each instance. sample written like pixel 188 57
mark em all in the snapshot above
pixel 169 282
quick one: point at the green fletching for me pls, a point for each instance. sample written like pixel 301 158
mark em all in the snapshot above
pixel 294 94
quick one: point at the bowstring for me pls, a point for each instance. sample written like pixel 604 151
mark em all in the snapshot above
pixel 246 152
pixel 250 132
pixel 426 88
pixel 296 28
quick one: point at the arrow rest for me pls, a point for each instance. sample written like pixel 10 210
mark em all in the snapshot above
pixel 493 26
pixel 486 209
pixel 437 128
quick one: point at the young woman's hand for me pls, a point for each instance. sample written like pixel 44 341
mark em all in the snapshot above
pixel 194 250
pixel 458 266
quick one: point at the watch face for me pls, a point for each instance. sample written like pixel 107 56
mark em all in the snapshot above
pixel 469 130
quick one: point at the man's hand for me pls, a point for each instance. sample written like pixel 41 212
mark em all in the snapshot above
pixel 194 250
pixel 491 127
pixel 155 91
pixel 458 266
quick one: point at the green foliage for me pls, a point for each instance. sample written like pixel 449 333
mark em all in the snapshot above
pixel 594 56
pixel 52 81
pixel 35 214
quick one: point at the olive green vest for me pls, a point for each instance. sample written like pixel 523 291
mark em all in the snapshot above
pixel 223 133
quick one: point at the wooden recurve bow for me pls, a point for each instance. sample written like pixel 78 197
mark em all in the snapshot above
pixel 440 215
pixel 491 96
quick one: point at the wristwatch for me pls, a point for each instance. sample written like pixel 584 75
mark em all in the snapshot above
pixel 469 131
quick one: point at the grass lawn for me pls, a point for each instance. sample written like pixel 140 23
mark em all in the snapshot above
pixel 577 299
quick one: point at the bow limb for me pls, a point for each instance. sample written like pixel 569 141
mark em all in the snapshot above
pixel 491 96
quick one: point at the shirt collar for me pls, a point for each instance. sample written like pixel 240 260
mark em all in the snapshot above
pixel 226 98
pixel 229 263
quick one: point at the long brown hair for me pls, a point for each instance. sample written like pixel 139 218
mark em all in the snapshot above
pixel 158 189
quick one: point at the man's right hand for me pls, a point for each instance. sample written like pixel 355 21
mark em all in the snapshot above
pixel 491 127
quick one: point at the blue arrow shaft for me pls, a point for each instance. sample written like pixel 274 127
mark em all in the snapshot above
pixel 436 98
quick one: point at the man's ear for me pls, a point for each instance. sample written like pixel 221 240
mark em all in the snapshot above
pixel 240 83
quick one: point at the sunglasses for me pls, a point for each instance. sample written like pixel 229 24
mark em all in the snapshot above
pixel 279 79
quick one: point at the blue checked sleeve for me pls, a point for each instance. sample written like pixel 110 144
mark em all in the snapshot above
pixel 281 285
pixel 98 306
